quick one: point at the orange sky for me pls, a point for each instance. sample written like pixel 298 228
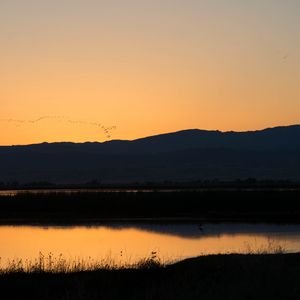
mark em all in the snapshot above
pixel 147 67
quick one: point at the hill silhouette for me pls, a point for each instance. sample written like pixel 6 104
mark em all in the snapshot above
pixel 272 153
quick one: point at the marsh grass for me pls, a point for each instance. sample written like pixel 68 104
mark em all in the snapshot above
pixel 57 264
pixel 204 205
pixel 270 247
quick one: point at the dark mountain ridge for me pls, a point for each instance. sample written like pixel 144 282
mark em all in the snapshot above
pixel 272 153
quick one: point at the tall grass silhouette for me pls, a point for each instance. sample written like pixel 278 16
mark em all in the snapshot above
pixel 50 263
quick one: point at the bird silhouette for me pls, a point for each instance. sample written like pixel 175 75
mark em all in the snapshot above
pixel 106 130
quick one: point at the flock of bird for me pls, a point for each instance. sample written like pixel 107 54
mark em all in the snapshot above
pixel 106 129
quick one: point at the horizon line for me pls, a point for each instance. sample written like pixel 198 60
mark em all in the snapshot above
pixel 155 135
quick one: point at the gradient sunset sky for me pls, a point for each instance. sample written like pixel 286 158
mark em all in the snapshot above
pixel 147 67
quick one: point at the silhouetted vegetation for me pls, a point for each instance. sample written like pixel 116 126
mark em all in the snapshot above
pixel 50 263
pixel 212 277
pixel 204 205
pixel 56 264
pixel 248 183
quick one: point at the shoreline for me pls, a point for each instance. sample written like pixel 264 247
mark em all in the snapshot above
pixel 213 206
pixel 230 276
pixel 98 222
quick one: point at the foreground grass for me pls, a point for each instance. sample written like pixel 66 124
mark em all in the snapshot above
pixel 235 276
pixel 60 265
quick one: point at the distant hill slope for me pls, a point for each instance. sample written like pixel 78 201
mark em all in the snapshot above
pixel 184 155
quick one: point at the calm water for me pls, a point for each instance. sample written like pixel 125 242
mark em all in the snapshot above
pixel 131 242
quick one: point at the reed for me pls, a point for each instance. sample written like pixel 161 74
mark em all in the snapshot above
pixel 50 263
pixel 58 264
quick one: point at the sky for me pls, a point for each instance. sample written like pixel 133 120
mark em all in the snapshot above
pixel 71 70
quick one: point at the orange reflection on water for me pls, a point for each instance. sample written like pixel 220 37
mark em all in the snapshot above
pixel 170 242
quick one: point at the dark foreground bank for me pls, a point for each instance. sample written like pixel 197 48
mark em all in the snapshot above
pixel 241 205
pixel 232 277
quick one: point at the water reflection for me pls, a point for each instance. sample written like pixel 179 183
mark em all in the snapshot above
pixel 136 241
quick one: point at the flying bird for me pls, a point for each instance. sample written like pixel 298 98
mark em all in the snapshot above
pixel 106 130
pixel 285 57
